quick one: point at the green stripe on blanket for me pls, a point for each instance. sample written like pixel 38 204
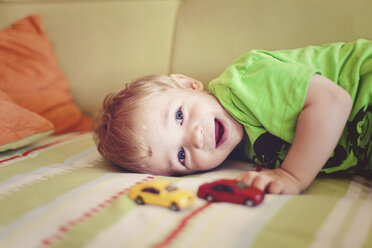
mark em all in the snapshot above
pixel 43 191
pixel 87 230
pixel 300 220
pixel 41 158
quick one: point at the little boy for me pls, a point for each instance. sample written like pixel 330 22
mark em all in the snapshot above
pixel 296 112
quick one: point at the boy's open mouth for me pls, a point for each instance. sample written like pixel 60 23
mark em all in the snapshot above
pixel 219 131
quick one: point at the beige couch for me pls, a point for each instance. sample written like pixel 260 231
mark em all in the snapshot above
pixel 103 44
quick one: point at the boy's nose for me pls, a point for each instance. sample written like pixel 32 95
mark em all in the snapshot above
pixel 196 136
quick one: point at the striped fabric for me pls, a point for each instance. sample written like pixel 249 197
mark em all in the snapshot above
pixel 60 193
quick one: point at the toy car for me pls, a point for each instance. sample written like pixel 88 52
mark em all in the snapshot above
pixel 163 193
pixel 227 190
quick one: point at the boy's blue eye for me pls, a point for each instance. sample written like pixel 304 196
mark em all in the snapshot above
pixel 181 156
pixel 179 116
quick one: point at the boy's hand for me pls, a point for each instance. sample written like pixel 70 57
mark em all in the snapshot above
pixel 276 181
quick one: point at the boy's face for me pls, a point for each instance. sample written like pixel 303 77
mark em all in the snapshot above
pixel 188 130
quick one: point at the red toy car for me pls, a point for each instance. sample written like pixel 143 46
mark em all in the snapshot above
pixel 227 190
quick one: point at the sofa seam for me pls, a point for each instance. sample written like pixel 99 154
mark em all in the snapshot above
pixel 173 41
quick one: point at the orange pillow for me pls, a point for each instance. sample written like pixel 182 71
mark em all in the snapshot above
pixel 19 126
pixel 30 75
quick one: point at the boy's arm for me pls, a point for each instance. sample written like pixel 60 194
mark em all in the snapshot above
pixel 320 125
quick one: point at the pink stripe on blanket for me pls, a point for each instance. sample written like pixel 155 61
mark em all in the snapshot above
pixel 180 227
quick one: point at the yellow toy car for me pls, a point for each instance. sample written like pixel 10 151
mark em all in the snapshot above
pixel 163 193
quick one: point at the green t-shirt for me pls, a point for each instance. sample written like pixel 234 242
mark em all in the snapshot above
pixel 265 91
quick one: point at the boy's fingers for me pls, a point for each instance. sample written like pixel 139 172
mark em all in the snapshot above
pixel 247 177
pixel 261 181
pixel 275 187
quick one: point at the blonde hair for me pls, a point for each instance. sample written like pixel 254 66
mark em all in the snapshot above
pixel 116 133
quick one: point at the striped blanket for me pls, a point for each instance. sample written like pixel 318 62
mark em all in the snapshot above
pixel 60 193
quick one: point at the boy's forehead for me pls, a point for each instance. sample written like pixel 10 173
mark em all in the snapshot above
pixel 166 96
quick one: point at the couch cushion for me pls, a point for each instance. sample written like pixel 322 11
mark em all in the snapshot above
pixel 210 34
pixel 30 75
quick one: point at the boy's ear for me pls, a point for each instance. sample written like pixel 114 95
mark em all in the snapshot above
pixel 187 82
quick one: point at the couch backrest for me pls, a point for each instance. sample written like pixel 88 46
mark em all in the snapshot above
pixel 103 44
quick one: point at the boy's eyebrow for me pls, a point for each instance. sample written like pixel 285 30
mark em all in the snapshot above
pixel 165 117
pixel 166 114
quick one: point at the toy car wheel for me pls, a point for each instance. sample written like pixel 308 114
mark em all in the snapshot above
pixel 209 197
pixel 139 200
pixel 174 207
pixel 249 202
